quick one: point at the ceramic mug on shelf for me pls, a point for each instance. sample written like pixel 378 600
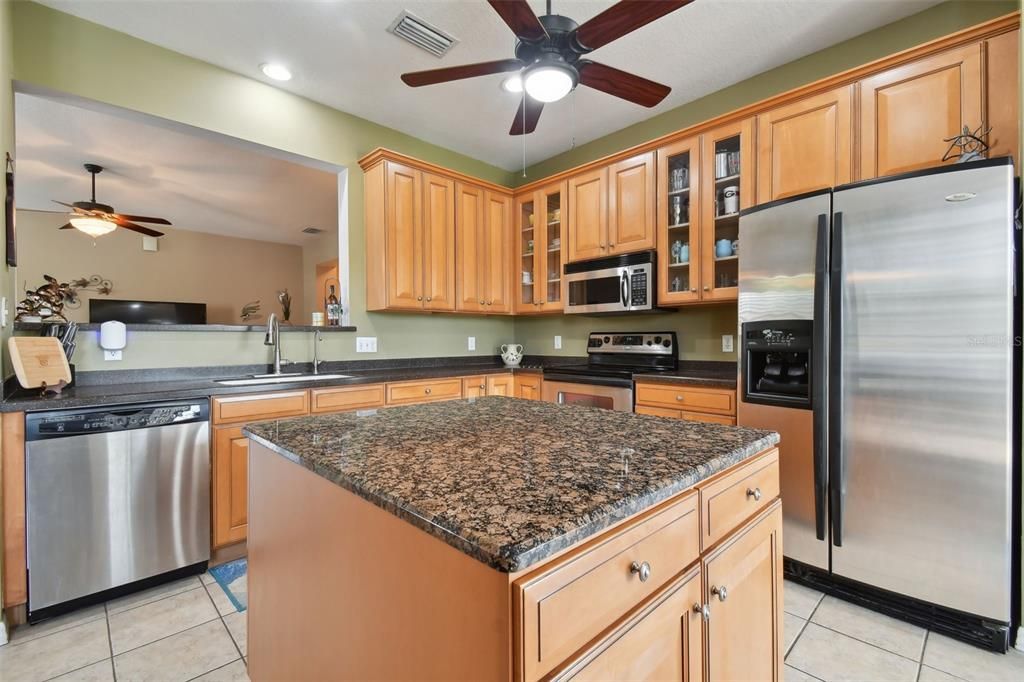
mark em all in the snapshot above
pixel 723 248
pixel 736 247
pixel 730 200
pixel 511 354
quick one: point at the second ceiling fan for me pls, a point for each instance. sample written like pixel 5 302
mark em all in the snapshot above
pixel 549 55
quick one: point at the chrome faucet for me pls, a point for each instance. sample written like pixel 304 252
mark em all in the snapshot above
pixel 273 338
pixel 317 338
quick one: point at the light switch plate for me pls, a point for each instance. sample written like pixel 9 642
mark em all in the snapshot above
pixel 471 343
pixel 726 343
pixel 366 344
pixel 112 355
pixel 558 342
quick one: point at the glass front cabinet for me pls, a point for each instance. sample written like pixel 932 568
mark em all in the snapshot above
pixel 704 182
pixel 539 250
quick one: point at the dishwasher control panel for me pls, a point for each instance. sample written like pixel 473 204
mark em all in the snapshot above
pixel 119 418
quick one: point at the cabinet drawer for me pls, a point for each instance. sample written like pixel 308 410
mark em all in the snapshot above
pixel 721 401
pixel 728 501
pixel 711 418
pixel 564 606
pixel 253 407
pixel 347 398
pixel 423 391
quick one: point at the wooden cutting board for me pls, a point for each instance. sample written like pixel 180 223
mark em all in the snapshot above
pixel 38 360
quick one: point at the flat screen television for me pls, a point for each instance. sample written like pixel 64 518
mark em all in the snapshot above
pixel 146 312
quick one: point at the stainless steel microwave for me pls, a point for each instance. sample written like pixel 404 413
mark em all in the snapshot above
pixel 617 284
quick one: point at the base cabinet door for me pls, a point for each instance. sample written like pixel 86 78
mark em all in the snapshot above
pixel 744 599
pixel 230 485
pixel 501 384
pixel 528 387
pixel 663 641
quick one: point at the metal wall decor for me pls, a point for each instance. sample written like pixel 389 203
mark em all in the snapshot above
pixel 286 304
pixel 49 301
pixel 968 145
pixel 251 311
pixel 12 244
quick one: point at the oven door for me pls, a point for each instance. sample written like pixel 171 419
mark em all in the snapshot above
pixel 614 289
pixel 619 398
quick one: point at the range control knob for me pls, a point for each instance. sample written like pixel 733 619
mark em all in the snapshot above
pixel 607 339
pixel 657 339
pixel 667 343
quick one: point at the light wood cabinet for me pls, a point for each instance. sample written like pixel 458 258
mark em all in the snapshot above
pixel 430 390
pixel 501 384
pixel 474 387
pixel 403 235
pixel 663 641
pixel 325 400
pixel 588 215
pixel 1002 82
pixel 541 243
pixel 744 598
pixel 241 408
pixel 907 113
pixel 528 386
pixel 696 403
pixel 438 242
pixel 230 485
pixel 631 199
pixel 679 218
pixel 483 239
pixel 805 145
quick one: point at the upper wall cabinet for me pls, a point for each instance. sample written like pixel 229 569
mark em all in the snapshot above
pixel 908 113
pixel 540 245
pixel 1002 85
pixel 483 242
pixel 806 145
pixel 611 209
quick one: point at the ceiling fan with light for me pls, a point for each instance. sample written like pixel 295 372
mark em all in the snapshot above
pixel 549 55
pixel 96 219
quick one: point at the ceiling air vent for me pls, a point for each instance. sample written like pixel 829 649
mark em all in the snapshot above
pixel 312 230
pixel 421 34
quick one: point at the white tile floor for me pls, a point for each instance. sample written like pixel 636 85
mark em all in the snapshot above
pixel 185 630
pixel 189 630
pixel 829 639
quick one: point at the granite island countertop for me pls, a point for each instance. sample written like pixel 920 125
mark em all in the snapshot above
pixel 508 481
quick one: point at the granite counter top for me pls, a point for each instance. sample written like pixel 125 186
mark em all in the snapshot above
pixel 508 481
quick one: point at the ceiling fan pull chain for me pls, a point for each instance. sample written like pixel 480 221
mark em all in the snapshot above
pixel 572 144
pixel 523 136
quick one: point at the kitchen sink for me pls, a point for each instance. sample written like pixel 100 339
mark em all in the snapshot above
pixel 280 379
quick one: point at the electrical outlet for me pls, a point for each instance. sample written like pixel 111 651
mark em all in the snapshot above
pixel 366 344
pixel 112 355
pixel 726 343
pixel 471 343
pixel 558 342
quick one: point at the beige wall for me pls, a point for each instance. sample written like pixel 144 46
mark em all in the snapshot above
pixel 190 267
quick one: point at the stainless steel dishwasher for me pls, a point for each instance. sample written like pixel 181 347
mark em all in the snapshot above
pixel 117 499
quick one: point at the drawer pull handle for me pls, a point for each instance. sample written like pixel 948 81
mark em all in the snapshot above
pixel 703 610
pixel 722 593
pixel 643 570
pixel 427 391
pixel 679 398
pixel 755 493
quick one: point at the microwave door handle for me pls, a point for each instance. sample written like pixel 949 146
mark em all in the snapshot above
pixel 624 288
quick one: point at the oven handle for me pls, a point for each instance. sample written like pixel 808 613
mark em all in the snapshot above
pixel 624 288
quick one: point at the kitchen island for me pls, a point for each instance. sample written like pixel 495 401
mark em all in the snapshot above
pixel 501 539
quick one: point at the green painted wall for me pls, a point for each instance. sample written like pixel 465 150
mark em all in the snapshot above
pixel 63 53
pixel 932 23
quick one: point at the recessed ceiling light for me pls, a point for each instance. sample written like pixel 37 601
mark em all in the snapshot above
pixel 513 83
pixel 276 71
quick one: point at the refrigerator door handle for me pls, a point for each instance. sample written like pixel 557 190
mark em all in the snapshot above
pixel 819 377
pixel 835 443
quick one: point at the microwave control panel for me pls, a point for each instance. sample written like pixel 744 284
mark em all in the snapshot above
pixel 638 288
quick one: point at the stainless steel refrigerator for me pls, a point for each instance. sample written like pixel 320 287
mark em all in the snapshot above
pixel 877 336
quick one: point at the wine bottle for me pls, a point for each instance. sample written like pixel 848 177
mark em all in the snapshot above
pixel 333 309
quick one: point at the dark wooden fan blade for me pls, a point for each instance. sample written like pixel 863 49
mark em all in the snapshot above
pixel 137 228
pixel 454 73
pixel 66 226
pixel 141 219
pixel 521 19
pixel 628 86
pixel 622 18
pixel 62 203
pixel 532 115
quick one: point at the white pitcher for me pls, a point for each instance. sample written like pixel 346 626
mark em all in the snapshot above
pixel 512 354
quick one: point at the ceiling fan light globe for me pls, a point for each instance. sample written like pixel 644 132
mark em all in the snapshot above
pixel 513 84
pixel 548 83
pixel 94 227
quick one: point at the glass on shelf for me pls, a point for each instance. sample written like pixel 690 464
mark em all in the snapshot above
pixel 727 158
pixel 679 282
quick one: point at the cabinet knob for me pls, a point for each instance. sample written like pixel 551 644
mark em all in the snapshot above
pixel 721 592
pixel 611 246
pixel 679 398
pixel 427 391
pixel 705 289
pixel 755 493
pixel 693 291
pixel 490 303
pixel 702 610
pixel 481 302
pixel 419 298
pixel 602 246
pixel 643 570
pixel 429 298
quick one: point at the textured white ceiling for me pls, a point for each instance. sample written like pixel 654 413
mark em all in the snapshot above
pixel 196 181
pixel 342 56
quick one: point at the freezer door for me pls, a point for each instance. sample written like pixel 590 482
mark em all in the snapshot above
pixel 782 277
pixel 920 482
